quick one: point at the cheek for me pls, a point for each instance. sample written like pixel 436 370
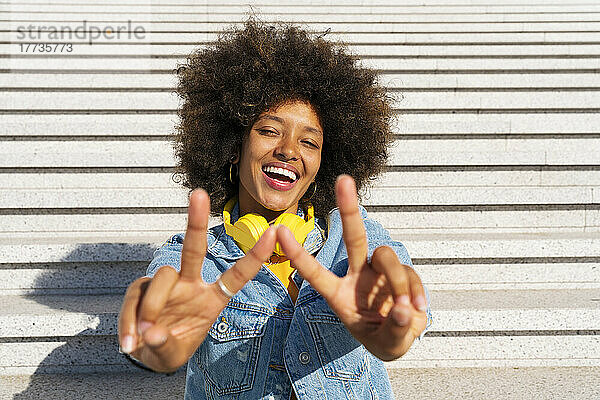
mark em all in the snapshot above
pixel 314 162
pixel 249 154
pixel 257 150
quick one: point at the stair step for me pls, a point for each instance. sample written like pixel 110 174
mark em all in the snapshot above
pixel 70 354
pixel 112 277
pixel 539 37
pixel 405 66
pixel 288 7
pixel 162 82
pixel 400 224
pixel 162 123
pixel 137 124
pixel 445 81
pixel 357 28
pixel 360 50
pixel 425 178
pixel 403 152
pixel 474 246
pixel 455 311
pixel 513 14
pixel 499 350
pixel 92 386
pixel 413 100
pixel 59 315
pixel 511 383
pixel 99 353
pixel 503 247
pixel 381 196
pixel 70 278
pixel 507 276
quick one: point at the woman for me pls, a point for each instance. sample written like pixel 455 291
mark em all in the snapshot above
pixel 273 122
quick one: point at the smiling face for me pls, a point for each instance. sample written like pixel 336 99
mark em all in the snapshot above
pixel 280 158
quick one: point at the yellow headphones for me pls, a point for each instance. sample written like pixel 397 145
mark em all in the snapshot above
pixel 249 228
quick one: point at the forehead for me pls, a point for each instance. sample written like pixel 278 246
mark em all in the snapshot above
pixel 298 112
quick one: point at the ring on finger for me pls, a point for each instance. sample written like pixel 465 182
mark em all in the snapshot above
pixel 224 288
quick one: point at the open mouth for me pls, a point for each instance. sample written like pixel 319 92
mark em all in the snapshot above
pixel 282 175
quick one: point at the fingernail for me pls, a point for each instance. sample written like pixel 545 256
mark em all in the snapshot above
pixel 401 316
pixel 143 326
pixel 127 344
pixel 420 303
pixel 404 299
pixel 156 341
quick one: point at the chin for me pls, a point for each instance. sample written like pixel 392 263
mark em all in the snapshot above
pixel 277 202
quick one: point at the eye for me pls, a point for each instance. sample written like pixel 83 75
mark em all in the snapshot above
pixel 311 143
pixel 267 132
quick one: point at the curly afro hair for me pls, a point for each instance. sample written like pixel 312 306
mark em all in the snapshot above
pixel 225 87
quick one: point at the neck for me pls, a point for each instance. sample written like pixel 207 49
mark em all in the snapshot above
pixel 249 205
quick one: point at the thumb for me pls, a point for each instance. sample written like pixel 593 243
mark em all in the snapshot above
pixel 403 325
pixel 320 278
pixel 161 350
pixel 248 266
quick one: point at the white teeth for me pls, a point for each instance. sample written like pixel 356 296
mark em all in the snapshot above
pixel 281 171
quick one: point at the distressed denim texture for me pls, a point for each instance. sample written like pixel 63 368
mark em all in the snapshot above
pixel 262 343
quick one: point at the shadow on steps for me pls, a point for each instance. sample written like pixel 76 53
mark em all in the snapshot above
pixel 88 365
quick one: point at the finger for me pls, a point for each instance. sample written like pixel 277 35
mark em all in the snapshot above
pixel 354 234
pixel 128 315
pixel 386 262
pixel 398 329
pixel 156 296
pixel 403 325
pixel 248 266
pixel 398 336
pixel 194 242
pixel 417 290
pixel 323 280
pixel 163 350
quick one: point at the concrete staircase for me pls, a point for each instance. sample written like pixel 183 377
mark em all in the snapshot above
pixel 493 186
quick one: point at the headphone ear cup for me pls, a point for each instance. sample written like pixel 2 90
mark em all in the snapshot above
pixel 293 223
pixel 253 226
pixel 249 228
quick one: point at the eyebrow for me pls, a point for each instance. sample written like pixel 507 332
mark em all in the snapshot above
pixel 281 121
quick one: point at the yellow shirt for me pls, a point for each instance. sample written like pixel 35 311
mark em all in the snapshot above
pixel 284 271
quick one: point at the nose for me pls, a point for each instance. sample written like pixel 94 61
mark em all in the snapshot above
pixel 287 149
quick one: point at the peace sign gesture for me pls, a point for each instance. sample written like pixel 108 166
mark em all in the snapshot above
pixel 164 319
pixel 373 300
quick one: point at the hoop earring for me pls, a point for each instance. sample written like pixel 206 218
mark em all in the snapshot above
pixel 231 172
pixel 314 191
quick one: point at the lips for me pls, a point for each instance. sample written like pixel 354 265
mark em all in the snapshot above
pixel 280 176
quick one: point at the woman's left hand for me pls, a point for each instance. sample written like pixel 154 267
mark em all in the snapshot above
pixel 381 303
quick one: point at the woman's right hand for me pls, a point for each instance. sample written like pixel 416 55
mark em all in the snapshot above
pixel 164 319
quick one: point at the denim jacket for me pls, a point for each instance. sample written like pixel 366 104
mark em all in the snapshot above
pixel 262 343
